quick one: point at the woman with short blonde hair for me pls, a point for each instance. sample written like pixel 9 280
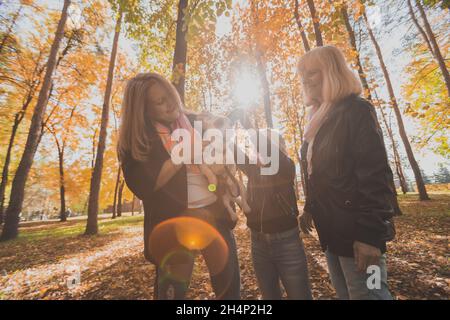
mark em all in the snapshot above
pixel 348 192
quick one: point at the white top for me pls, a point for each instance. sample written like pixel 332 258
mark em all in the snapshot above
pixel 198 194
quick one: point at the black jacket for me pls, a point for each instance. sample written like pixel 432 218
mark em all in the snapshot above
pixel 167 202
pixel 349 193
pixel 272 198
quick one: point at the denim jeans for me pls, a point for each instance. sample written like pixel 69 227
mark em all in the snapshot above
pixel 226 284
pixel 351 284
pixel 281 256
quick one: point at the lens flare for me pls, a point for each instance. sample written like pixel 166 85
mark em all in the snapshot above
pixel 175 242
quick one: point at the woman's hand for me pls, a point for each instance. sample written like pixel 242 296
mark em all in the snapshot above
pixel 306 223
pixel 365 255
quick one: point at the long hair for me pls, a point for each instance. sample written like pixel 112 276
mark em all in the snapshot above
pixel 339 82
pixel 135 136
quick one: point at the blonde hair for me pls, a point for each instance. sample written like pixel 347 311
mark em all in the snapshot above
pixel 135 137
pixel 339 82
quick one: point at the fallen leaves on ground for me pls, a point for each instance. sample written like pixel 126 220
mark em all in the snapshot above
pixel 112 265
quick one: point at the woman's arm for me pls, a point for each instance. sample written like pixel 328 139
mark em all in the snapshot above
pixel 145 177
pixel 287 167
pixel 371 171
pixel 168 170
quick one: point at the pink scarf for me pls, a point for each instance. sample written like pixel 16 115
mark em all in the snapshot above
pixel 182 122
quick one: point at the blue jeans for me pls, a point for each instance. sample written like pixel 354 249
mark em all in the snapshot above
pixel 226 283
pixel 354 285
pixel 281 256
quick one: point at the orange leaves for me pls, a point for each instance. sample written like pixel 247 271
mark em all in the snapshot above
pixel 27 2
pixel 427 100
pixel 112 265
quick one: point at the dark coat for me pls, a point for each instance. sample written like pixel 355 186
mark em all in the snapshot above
pixel 349 193
pixel 272 198
pixel 167 202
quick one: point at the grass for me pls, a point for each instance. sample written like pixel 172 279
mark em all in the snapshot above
pixel 74 228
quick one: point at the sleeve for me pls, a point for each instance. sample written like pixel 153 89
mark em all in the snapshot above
pixel 371 171
pixel 141 176
pixel 304 175
pixel 286 169
pixel 247 168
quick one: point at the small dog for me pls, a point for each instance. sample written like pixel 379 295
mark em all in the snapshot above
pixel 223 175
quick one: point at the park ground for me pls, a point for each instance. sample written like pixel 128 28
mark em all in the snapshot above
pixel 37 263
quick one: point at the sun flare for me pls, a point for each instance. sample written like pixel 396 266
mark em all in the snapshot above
pixel 247 89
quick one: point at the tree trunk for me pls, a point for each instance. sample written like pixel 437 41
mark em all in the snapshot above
pixel 299 160
pixel 265 86
pixel 412 160
pixel 301 28
pixel 419 27
pixel 397 160
pixel 94 139
pixel 352 39
pixel 116 188
pixel 316 23
pixel 296 186
pixel 5 172
pixel 303 171
pixel 119 201
pixel 91 225
pixel 17 121
pixel 434 44
pixel 261 67
pixel 132 205
pixel 62 187
pixel 10 229
pixel 180 53
pixel 296 149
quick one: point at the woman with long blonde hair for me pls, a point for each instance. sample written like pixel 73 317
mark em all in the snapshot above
pixel 348 193
pixel 151 111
